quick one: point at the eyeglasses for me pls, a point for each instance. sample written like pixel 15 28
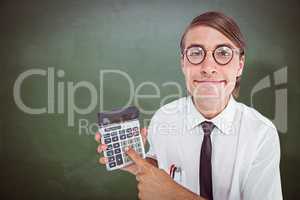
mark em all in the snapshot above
pixel 222 54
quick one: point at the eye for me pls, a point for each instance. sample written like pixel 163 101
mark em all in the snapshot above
pixel 223 52
pixel 195 51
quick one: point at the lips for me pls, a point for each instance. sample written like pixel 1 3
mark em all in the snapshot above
pixel 208 88
pixel 209 81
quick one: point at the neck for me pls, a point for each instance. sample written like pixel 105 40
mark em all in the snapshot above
pixel 210 108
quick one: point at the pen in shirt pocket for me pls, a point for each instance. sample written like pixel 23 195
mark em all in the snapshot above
pixel 176 173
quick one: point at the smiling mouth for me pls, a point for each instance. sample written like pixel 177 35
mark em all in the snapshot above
pixel 209 81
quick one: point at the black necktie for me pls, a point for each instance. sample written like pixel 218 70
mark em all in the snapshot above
pixel 205 177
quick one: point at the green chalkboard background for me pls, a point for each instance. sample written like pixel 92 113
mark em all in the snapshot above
pixel 50 155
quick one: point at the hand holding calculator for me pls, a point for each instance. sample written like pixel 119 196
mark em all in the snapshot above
pixel 120 129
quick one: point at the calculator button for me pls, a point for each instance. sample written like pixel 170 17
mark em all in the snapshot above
pixel 135 129
pixel 123 143
pixel 114 133
pixel 136 149
pixel 116 145
pixel 114 139
pixel 117 151
pixel 126 159
pixel 106 135
pixel 135 133
pixel 122 137
pixel 137 139
pixel 136 145
pixel 128 130
pixel 139 150
pixel 121 131
pixel 109 153
pixel 107 140
pixel 112 164
pixel 111 159
pixel 119 159
pixel 129 135
pixel 130 141
pixel 109 147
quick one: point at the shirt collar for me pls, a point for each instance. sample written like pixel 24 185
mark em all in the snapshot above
pixel 223 121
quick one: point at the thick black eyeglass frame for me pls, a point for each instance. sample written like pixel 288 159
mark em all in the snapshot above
pixel 234 50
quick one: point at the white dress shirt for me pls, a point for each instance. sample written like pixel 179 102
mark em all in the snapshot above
pixel 245 149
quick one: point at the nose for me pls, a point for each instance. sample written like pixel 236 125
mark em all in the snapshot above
pixel 208 66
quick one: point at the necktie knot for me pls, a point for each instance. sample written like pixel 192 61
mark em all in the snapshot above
pixel 207 127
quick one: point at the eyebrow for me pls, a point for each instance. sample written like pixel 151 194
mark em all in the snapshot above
pixel 200 45
pixel 225 44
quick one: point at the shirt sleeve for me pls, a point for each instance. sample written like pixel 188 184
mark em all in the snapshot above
pixel 263 180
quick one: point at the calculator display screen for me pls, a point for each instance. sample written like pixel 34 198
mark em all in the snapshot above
pixel 117 116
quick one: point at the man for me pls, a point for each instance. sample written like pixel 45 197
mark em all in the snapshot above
pixel 207 145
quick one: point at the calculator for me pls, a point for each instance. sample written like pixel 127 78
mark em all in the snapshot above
pixel 120 129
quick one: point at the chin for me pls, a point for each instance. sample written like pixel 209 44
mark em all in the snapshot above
pixel 209 102
pixel 208 98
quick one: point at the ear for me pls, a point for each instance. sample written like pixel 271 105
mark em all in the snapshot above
pixel 241 65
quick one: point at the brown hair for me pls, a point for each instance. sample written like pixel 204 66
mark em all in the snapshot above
pixel 226 26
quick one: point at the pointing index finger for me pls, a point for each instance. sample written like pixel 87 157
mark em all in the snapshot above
pixel 135 157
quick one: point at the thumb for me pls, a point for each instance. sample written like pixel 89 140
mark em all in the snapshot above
pixel 136 158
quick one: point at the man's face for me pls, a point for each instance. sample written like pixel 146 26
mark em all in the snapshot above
pixel 210 79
